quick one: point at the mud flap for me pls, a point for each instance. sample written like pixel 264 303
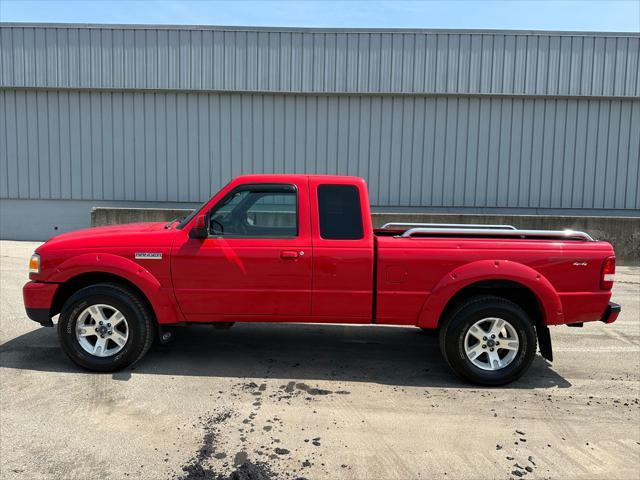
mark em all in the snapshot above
pixel 166 334
pixel 544 342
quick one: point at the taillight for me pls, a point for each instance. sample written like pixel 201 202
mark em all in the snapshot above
pixel 608 273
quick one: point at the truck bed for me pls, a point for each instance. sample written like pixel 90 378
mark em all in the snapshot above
pixel 568 263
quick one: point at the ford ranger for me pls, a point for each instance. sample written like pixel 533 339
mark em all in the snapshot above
pixel 301 248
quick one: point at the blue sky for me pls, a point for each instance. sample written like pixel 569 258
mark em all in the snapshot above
pixel 612 15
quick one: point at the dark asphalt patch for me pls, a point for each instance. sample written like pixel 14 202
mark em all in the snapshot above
pixel 240 458
pixel 311 390
pixel 291 388
pixel 250 471
pixel 267 461
pixel 196 469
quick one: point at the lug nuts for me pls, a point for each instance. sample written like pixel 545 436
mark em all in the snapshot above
pixel 110 332
pixel 491 349
pixel 484 346
pixel 484 338
pixel 109 325
pixel 97 329
pixel 493 336
pixel 100 322
pixel 497 343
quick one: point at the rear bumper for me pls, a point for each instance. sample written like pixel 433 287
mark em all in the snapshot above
pixel 38 298
pixel 611 313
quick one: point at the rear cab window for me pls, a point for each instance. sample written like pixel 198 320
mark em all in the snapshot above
pixel 340 212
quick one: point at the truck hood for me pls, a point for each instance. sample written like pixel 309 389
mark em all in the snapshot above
pixel 131 234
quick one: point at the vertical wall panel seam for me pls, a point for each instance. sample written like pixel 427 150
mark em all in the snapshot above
pixel 564 157
pixel 541 180
pixel 6 141
pixel 606 153
pixel 520 153
pixel 553 141
pixel 615 176
pixel 595 167
pixel 509 157
pixel 575 149
pixel 628 150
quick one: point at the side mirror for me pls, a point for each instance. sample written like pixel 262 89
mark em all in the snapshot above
pixel 199 229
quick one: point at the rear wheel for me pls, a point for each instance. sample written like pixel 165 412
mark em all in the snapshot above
pixel 488 340
pixel 105 327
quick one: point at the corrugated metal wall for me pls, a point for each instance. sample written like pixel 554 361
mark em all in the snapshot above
pixel 445 151
pixel 495 121
pixel 320 62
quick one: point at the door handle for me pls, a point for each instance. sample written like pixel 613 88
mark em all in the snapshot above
pixel 290 254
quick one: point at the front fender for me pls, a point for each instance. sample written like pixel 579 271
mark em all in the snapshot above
pixel 482 270
pixel 160 298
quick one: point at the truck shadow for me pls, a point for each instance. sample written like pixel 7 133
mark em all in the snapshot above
pixel 396 356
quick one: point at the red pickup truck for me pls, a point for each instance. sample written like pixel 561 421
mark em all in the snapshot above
pixel 301 248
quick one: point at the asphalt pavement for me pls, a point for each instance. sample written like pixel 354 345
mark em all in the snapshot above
pixel 315 401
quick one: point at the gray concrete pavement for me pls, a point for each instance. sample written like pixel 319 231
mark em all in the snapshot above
pixel 345 402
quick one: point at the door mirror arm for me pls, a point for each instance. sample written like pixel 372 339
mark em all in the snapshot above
pixel 199 229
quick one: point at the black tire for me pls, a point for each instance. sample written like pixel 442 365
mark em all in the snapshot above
pixel 138 318
pixel 461 319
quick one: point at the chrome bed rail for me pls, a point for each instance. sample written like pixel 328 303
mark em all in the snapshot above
pixel 493 232
pixel 400 225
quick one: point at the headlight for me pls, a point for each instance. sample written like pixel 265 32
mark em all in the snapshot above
pixel 34 263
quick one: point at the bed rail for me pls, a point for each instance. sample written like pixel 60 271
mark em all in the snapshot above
pixel 499 232
pixel 401 225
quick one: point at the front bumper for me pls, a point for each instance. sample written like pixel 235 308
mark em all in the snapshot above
pixel 611 313
pixel 38 299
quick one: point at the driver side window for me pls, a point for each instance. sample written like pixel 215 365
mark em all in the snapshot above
pixel 267 211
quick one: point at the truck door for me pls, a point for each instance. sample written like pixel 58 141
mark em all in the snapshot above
pixel 342 250
pixel 256 262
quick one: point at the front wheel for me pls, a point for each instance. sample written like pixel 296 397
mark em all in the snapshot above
pixel 488 340
pixel 105 327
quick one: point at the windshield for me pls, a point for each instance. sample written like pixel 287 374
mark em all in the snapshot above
pixel 187 219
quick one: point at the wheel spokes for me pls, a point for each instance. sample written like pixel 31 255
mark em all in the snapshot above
pixel 118 338
pixel 477 331
pixel 86 331
pixel 494 360
pixel 100 347
pixel 97 313
pixel 509 344
pixel 491 343
pixel 96 325
pixel 116 319
pixel 497 326
pixel 475 351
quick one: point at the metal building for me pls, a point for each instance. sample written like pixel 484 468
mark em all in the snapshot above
pixel 435 120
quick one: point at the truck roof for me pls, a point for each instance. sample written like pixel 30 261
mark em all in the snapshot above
pixel 294 176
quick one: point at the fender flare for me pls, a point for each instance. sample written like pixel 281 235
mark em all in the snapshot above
pixel 482 270
pixel 160 299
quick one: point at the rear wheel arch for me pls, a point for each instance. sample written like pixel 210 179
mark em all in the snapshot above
pixel 511 280
pixel 510 290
